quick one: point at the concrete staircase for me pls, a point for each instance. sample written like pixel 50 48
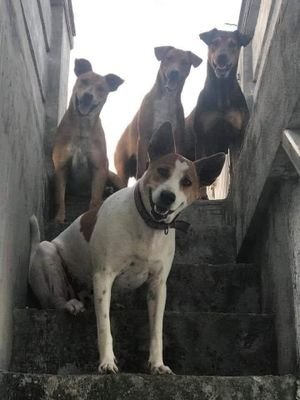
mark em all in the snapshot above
pixel 215 338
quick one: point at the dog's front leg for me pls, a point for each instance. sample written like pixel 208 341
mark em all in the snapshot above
pixel 102 295
pixel 99 179
pixel 142 156
pixel 60 189
pixel 156 299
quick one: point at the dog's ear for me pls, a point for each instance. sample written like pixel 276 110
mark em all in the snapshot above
pixel 82 66
pixel 162 142
pixel 113 81
pixel 208 37
pixel 209 168
pixel 161 51
pixel 243 39
pixel 195 60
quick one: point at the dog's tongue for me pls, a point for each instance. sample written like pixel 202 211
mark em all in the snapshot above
pixel 84 110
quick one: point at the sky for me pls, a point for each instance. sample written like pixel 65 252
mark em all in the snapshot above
pixel 119 36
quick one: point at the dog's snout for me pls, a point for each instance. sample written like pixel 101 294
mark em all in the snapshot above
pixel 86 99
pixel 222 60
pixel 174 75
pixel 167 198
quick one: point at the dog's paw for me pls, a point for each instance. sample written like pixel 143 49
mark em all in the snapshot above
pixel 160 370
pixel 108 368
pixel 74 306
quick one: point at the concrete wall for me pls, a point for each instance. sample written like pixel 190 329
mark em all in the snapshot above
pixel 276 251
pixel 26 32
pixel 273 243
pixel 266 189
pixel 247 25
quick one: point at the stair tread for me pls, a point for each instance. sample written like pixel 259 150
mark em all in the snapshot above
pixel 195 342
pixel 18 386
pixel 202 287
pixel 209 239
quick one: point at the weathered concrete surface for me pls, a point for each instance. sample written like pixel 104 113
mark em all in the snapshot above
pixel 22 183
pixel 265 191
pixel 276 107
pixel 218 288
pixel 194 343
pixel 276 248
pixel 63 30
pixel 25 34
pixel 136 387
pixel 210 238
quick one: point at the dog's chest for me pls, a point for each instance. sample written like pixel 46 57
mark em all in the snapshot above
pixel 213 120
pixel 165 109
pixel 82 137
pixel 149 258
pixel 81 146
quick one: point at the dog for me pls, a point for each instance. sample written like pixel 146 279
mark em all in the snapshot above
pixel 80 139
pixel 129 240
pixel 161 104
pixel 221 114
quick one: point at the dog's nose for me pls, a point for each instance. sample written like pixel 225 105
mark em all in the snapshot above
pixel 222 60
pixel 167 198
pixel 86 99
pixel 174 75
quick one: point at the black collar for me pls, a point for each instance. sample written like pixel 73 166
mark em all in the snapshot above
pixel 181 225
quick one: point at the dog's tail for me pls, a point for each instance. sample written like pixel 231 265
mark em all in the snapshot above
pixel 35 235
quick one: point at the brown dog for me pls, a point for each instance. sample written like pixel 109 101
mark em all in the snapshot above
pixel 161 104
pixel 80 137
pixel 221 114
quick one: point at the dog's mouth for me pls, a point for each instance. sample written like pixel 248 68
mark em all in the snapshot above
pixel 222 71
pixel 171 85
pixel 159 212
pixel 83 108
pixel 173 81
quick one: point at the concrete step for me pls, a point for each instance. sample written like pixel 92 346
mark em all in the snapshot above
pixel 204 287
pixel 16 386
pixel 195 343
pixel 210 238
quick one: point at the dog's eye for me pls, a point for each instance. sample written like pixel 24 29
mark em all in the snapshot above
pixel 85 82
pixel 163 172
pixel 185 181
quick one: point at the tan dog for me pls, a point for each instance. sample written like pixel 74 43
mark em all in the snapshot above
pixel 128 241
pixel 80 139
pixel 161 104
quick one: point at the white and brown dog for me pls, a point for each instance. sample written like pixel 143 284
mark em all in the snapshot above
pixel 80 137
pixel 128 241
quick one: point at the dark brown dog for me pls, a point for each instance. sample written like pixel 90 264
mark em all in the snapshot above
pixel 221 114
pixel 161 104
pixel 80 136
